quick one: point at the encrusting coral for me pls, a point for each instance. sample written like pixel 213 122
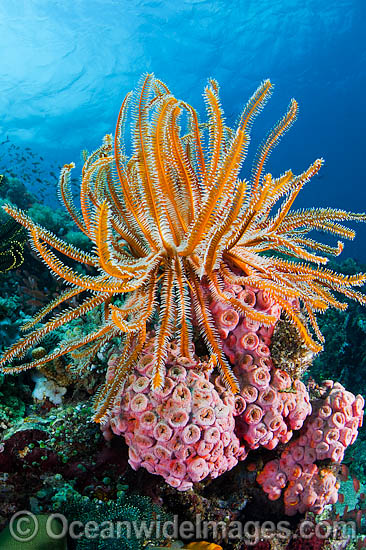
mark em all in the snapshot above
pixel 183 432
pixel 272 403
pixel 183 246
pixel 332 427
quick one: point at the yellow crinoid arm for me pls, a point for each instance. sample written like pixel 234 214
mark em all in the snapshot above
pixel 225 179
pixel 209 332
pixel 197 140
pixel 184 309
pixel 107 394
pixel 86 191
pixel 20 348
pixel 255 104
pixel 145 165
pixel 216 130
pixel 66 197
pixel 56 243
pixel 184 181
pixel 103 240
pixel 165 327
pixel 66 295
pixel 141 308
pixel 160 155
pixel 271 141
pixel 322 219
pixel 296 186
pixel 131 208
pixel 213 250
pixel 64 348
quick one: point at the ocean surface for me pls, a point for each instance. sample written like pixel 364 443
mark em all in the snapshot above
pixel 66 65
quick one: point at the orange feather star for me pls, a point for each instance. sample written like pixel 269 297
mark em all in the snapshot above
pixel 176 215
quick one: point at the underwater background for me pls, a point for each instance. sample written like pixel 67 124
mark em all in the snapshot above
pixel 65 67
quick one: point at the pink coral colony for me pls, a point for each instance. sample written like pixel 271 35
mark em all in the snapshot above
pixel 195 428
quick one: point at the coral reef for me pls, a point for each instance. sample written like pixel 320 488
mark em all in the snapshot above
pixel 190 317
pixel 47 389
pixel 13 395
pixel 40 450
pixel 13 190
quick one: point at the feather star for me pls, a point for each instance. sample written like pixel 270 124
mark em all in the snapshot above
pixel 175 219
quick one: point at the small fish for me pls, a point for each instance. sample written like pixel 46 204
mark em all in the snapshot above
pixel 341 498
pixel 344 472
pixel 356 484
pixel 358 518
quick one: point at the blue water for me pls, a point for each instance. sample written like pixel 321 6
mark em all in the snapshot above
pixel 65 66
